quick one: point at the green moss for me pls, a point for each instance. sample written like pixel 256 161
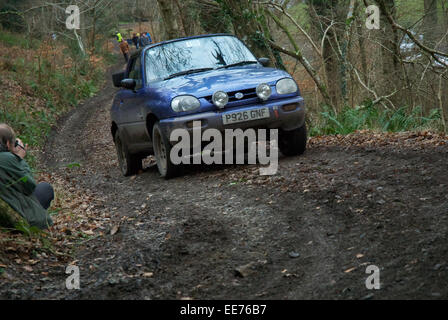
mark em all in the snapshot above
pixel 300 13
pixel 10 39
pixel 8 217
pixel 409 12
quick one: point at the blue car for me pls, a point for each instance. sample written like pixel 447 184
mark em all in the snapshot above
pixel 214 79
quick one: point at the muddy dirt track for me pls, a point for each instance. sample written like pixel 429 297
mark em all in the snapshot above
pixel 227 233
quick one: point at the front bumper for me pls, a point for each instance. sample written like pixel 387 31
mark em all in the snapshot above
pixel 278 118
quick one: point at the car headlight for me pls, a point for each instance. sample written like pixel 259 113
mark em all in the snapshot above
pixel 220 99
pixel 286 86
pixel 264 91
pixel 185 103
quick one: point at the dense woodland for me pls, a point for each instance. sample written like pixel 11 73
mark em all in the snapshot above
pixel 371 188
pixel 392 78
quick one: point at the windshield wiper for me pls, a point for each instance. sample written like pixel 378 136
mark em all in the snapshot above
pixel 241 63
pixel 182 73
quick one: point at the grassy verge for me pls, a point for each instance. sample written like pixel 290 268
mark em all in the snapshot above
pixel 13 40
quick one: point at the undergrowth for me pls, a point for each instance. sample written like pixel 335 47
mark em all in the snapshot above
pixel 35 92
pixel 373 117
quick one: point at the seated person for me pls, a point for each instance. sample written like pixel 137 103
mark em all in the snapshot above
pixel 17 185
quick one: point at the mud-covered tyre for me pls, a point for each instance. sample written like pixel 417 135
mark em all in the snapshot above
pixel 293 143
pixel 129 164
pixel 162 150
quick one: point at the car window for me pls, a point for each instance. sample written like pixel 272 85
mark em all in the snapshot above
pixel 135 72
pixel 207 52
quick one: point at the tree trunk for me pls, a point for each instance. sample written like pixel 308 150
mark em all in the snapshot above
pixel 390 48
pixel 322 13
pixel 346 46
pixel 362 53
pixel 430 23
pixel 92 44
pixel 212 17
pixel 444 5
pixel 183 17
pixel 187 20
pixel 244 20
pixel 169 19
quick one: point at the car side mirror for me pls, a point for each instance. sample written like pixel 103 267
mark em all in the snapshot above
pixel 264 61
pixel 117 77
pixel 128 84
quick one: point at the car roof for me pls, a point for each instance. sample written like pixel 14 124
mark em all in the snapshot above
pixel 196 37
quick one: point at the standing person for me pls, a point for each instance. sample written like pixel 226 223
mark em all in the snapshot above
pixel 119 37
pixel 17 185
pixel 124 47
pixel 135 41
pixel 149 37
pixel 144 41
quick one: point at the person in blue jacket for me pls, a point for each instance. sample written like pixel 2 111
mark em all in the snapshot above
pixel 149 37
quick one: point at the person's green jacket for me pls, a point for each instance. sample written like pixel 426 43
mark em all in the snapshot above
pixel 16 189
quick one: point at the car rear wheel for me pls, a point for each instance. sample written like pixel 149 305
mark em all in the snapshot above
pixel 162 150
pixel 129 164
pixel 293 143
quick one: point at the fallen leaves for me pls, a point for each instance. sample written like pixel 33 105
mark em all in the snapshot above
pixel 114 230
pixel 33 262
pixel 365 139
pixel 28 268
pixel 350 270
pixel 88 232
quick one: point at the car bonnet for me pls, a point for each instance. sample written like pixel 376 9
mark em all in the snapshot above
pixel 206 83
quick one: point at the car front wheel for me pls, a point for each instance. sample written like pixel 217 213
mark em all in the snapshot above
pixel 129 164
pixel 293 143
pixel 162 150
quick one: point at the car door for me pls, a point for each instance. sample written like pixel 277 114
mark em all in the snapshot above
pixel 131 104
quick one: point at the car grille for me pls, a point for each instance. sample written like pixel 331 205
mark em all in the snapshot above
pixel 248 94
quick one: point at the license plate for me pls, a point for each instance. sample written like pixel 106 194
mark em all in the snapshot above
pixel 247 115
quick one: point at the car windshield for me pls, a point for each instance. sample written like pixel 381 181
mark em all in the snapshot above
pixel 195 55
